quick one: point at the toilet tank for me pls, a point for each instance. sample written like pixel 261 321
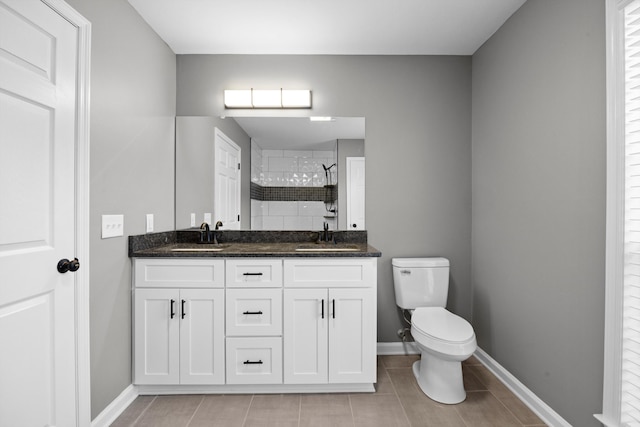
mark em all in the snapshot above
pixel 420 282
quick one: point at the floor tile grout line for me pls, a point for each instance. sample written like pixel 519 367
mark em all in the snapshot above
pixel 496 397
pixel 196 410
pixel 143 411
pixel 393 386
pixel 395 392
pixel 455 408
pixel 404 412
pixel 353 417
pixel 246 415
pixel 470 372
pixel 507 408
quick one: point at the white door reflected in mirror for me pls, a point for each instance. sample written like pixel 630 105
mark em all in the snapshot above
pixel 226 206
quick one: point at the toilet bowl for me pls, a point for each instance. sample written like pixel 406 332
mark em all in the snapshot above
pixel 444 340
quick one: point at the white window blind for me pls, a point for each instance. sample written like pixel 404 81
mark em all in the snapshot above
pixel 630 376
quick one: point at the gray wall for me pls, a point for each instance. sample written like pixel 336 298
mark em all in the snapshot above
pixel 133 80
pixel 539 201
pixel 418 133
pixel 194 168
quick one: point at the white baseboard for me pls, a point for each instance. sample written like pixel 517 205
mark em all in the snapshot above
pixel 116 407
pixel 395 348
pixel 541 409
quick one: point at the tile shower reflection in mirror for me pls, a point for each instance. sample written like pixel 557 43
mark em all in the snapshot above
pixel 294 189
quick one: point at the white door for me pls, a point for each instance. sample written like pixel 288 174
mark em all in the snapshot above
pixel 156 336
pixel 352 340
pixel 355 193
pixel 38 60
pixel 305 336
pixel 202 336
pixel 226 206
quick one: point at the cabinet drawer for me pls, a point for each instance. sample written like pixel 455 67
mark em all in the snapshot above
pixel 178 273
pixel 254 273
pixel 330 272
pixel 254 360
pixel 254 312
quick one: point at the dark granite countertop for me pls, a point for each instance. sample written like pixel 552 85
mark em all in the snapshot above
pixel 177 244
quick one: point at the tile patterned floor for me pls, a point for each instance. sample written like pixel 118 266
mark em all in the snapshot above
pixel 397 402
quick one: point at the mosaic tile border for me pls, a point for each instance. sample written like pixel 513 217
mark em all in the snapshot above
pixel 293 194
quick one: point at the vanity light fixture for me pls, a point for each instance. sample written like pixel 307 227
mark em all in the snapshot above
pixel 271 98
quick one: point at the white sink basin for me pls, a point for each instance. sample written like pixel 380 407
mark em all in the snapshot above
pixel 196 249
pixel 327 248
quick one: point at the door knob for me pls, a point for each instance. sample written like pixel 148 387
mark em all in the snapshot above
pixel 65 265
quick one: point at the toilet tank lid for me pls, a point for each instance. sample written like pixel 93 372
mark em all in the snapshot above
pixel 420 262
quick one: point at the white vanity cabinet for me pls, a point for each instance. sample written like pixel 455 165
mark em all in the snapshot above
pixel 329 320
pixel 254 324
pixel 178 321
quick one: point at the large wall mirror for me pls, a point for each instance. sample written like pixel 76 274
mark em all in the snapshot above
pixel 296 173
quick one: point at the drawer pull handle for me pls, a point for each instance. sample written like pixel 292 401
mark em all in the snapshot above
pixel 252 362
pixel 172 311
pixel 333 302
pixel 252 274
pixel 322 308
pixel 252 312
pixel 182 308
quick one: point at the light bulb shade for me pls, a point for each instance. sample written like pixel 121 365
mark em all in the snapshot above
pixel 296 98
pixel 238 98
pixel 267 98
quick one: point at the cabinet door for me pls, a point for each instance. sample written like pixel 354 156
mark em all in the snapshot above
pixel 156 336
pixel 352 336
pixel 305 336
pixel 201 313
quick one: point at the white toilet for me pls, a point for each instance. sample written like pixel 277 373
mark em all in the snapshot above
pixel 444 339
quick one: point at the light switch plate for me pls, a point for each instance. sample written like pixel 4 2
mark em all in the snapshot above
pixel 149 223
pixel 207 218
pixel 193 220
pixel 112 226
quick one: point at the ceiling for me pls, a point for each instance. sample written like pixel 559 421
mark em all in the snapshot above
pixel 291 133
pixel 331 27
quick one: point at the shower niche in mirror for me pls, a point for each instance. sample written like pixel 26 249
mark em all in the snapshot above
pixel 294 189
pixel 296 179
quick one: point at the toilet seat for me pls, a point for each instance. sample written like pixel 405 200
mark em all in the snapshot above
pixel 439 330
